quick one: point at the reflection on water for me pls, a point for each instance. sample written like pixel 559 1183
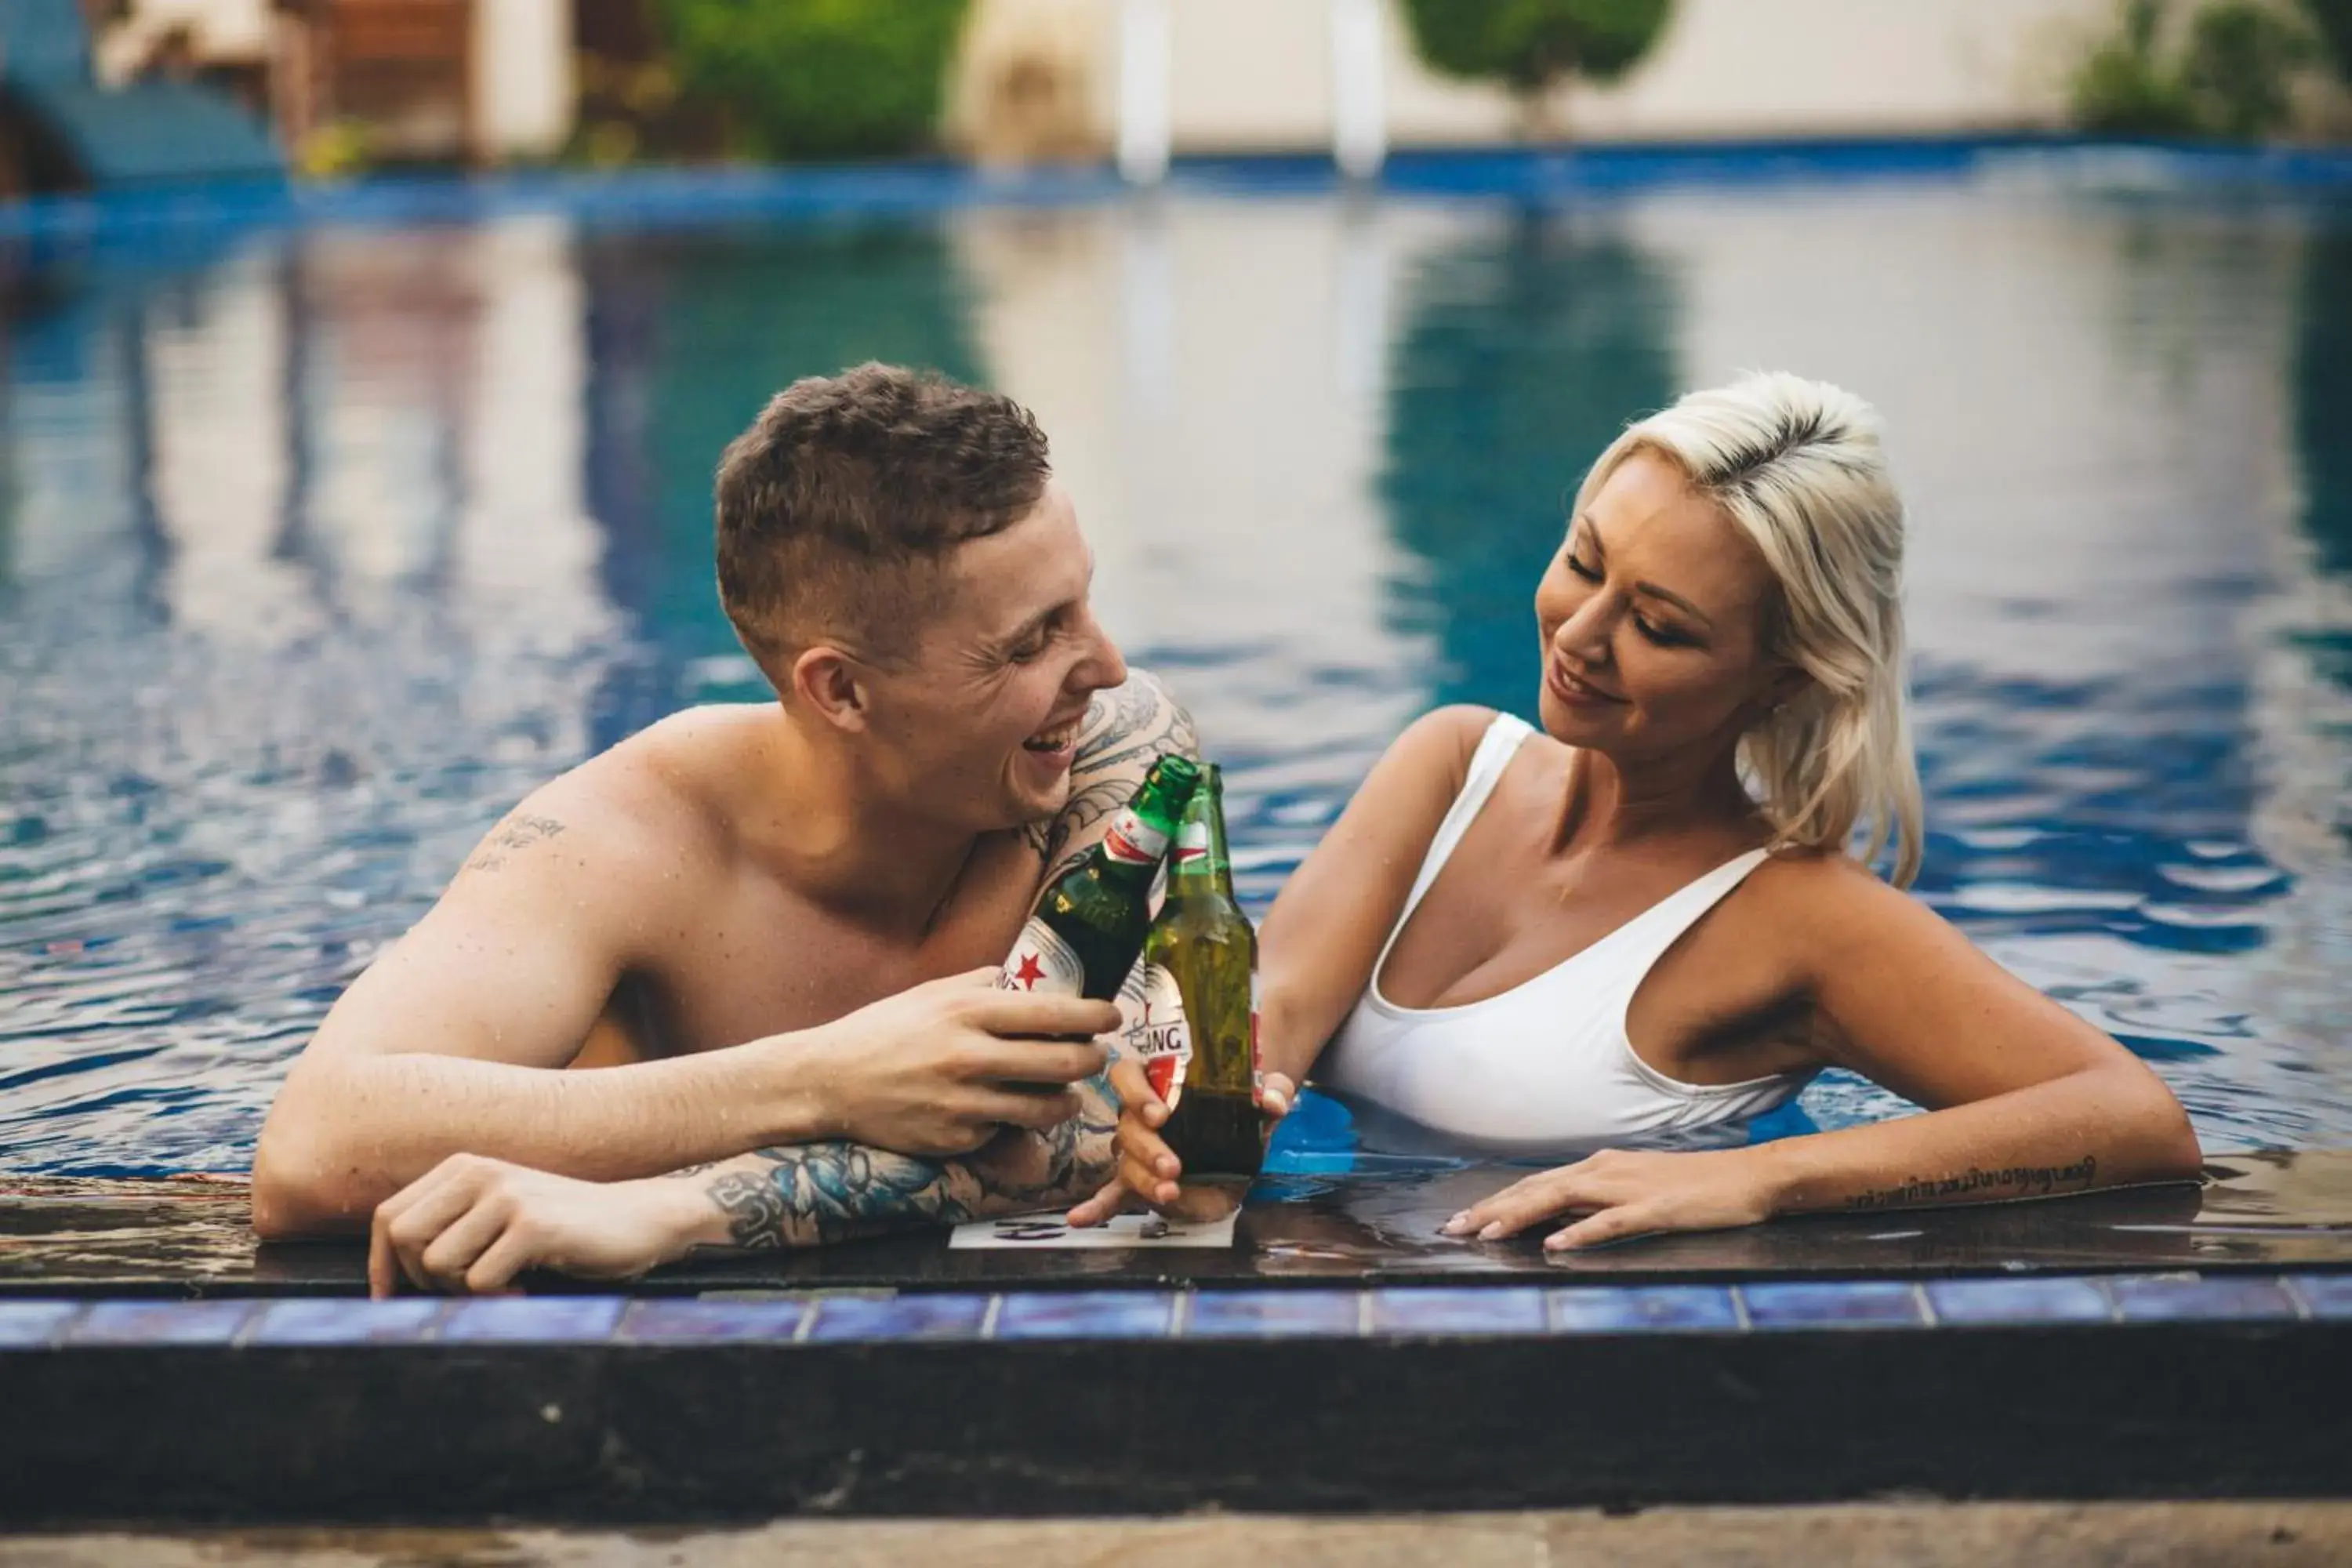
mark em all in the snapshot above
pixel 317 551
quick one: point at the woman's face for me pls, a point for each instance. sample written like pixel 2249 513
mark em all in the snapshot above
pixel 1652 616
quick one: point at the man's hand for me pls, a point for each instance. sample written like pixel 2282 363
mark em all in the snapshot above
pixel 1148 1168
pixel 472 1224
pixel 938 1069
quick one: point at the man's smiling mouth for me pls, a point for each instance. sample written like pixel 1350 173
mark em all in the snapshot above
pixel 1060 738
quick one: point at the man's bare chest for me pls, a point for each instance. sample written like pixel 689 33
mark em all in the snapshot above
pixel 763 961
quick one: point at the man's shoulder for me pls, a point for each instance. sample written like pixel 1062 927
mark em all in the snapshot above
pixel 650 799
pixel 1127 727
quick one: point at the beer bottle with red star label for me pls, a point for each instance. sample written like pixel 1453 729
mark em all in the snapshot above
pixel 1083 937
pixel 1196 1028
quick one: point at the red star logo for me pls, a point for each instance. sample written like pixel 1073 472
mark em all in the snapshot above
pixel 1030 972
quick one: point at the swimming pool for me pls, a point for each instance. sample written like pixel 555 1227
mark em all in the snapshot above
pixel 321 543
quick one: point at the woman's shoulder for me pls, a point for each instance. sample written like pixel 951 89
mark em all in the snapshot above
pixel 1442 741
pixel 1824 895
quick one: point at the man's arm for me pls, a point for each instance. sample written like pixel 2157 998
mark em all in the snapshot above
pixel 453 1040
pixel 476 1223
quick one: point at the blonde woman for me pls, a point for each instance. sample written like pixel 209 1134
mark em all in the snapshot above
pixel 1644 918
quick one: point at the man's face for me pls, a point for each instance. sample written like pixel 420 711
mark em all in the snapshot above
pixel 980 727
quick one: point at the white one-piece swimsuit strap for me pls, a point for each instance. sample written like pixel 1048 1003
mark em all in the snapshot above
pixel 1546 1066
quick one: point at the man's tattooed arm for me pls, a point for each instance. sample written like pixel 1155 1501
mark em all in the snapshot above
pixel 813 1193
pixel 1127 729
pixel 520 831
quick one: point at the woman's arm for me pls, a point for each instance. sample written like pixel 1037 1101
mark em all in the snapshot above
pixel 2024 1099
pixel 1328 924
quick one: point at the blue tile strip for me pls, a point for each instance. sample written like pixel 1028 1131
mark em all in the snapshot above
pixel 697 1322
pixel 1642 1309
pixel 1977 1302
pixel 1273 1314
pixel 2324 1296
pixel 1833 1304
pixel 160 1323
pixel 921 1317
pixel 406 1321
pixel 34 1325
pixel 522 1319
pixel 1134 1314
pixel 2177 1297
pixel 1085 1315
pixel 1460 1310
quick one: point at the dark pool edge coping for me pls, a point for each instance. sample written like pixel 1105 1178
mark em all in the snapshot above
pixel 655 195
pixel 597 1409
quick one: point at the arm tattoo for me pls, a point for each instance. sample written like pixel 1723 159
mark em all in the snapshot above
pixel 517 832
pixel 1974 1185
pixel 813 1193
pixel 1127 729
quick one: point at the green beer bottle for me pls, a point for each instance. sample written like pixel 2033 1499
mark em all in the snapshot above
pixel 1088 927
pixel 1197 1032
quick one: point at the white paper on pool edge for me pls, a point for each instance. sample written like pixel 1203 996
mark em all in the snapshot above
pixel 1037 1230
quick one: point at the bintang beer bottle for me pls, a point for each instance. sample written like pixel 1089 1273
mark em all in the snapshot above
pixel 1088 926
pixel 1198 1029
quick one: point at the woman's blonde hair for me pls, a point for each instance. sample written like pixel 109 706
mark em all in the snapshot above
pixel 1796 465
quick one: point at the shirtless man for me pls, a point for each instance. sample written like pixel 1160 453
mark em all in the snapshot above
pixel 772 929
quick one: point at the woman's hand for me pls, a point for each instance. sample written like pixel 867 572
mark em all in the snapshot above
pixel 1148 1168
pixel 472 1224
pixel 1623 1194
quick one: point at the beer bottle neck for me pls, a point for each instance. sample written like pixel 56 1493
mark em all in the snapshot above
pixel 1199 864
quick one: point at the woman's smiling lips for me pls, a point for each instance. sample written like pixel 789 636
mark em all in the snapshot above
pixel 1570 689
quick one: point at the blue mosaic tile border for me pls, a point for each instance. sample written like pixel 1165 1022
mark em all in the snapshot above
pixel 1387 1312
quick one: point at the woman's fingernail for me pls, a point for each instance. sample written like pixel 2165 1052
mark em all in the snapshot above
pixel 1492 1233
pixel 1556 1243
pixel 1457 1225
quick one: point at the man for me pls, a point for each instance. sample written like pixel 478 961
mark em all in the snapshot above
pixel 769 928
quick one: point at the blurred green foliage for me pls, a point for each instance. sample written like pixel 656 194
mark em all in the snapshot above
pixel 2332 21
pixel 2230 71
pixel 816 79
pixel 1528 45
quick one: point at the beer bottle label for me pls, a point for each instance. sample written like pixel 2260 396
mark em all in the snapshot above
pixel 1134 840
pixel 1159 1035
pixel 1042 960
pixel 1191 851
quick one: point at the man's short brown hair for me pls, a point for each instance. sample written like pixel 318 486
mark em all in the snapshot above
pixel 836 504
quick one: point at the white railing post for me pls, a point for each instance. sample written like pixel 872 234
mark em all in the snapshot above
pixel 1359 129
pixel 1146 45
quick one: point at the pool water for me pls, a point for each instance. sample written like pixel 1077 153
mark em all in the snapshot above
pixel 320 544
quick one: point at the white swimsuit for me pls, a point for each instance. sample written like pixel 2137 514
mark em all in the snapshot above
pixel 1545 1068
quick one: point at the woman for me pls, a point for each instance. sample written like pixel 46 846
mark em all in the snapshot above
pixel 1643 919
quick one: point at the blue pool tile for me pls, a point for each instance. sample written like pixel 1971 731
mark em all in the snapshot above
pixel 681 1321
pixel 2326 1295
pixel 350 1320
pixel 562 1319
pixel 2176 1298
pixel 1642 1309
pixel 1084 1314
pixel 918 1317
pixel 1972 1301
pixel 1459 1310
pixel 33 1325
pixel 161 1323
pixel 1271 1314
pixel 1831 1304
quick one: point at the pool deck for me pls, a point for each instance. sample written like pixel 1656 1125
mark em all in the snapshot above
pixel 2164 1343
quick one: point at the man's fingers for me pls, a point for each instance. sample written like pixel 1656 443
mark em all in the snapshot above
pixel 1145 1184
pixel 447 1257
pixel 1039 1111
pixel 1018 1013
pixel 504 1258
pixel 1108 1201
pixel 1055 1062
pixel 1131 1084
